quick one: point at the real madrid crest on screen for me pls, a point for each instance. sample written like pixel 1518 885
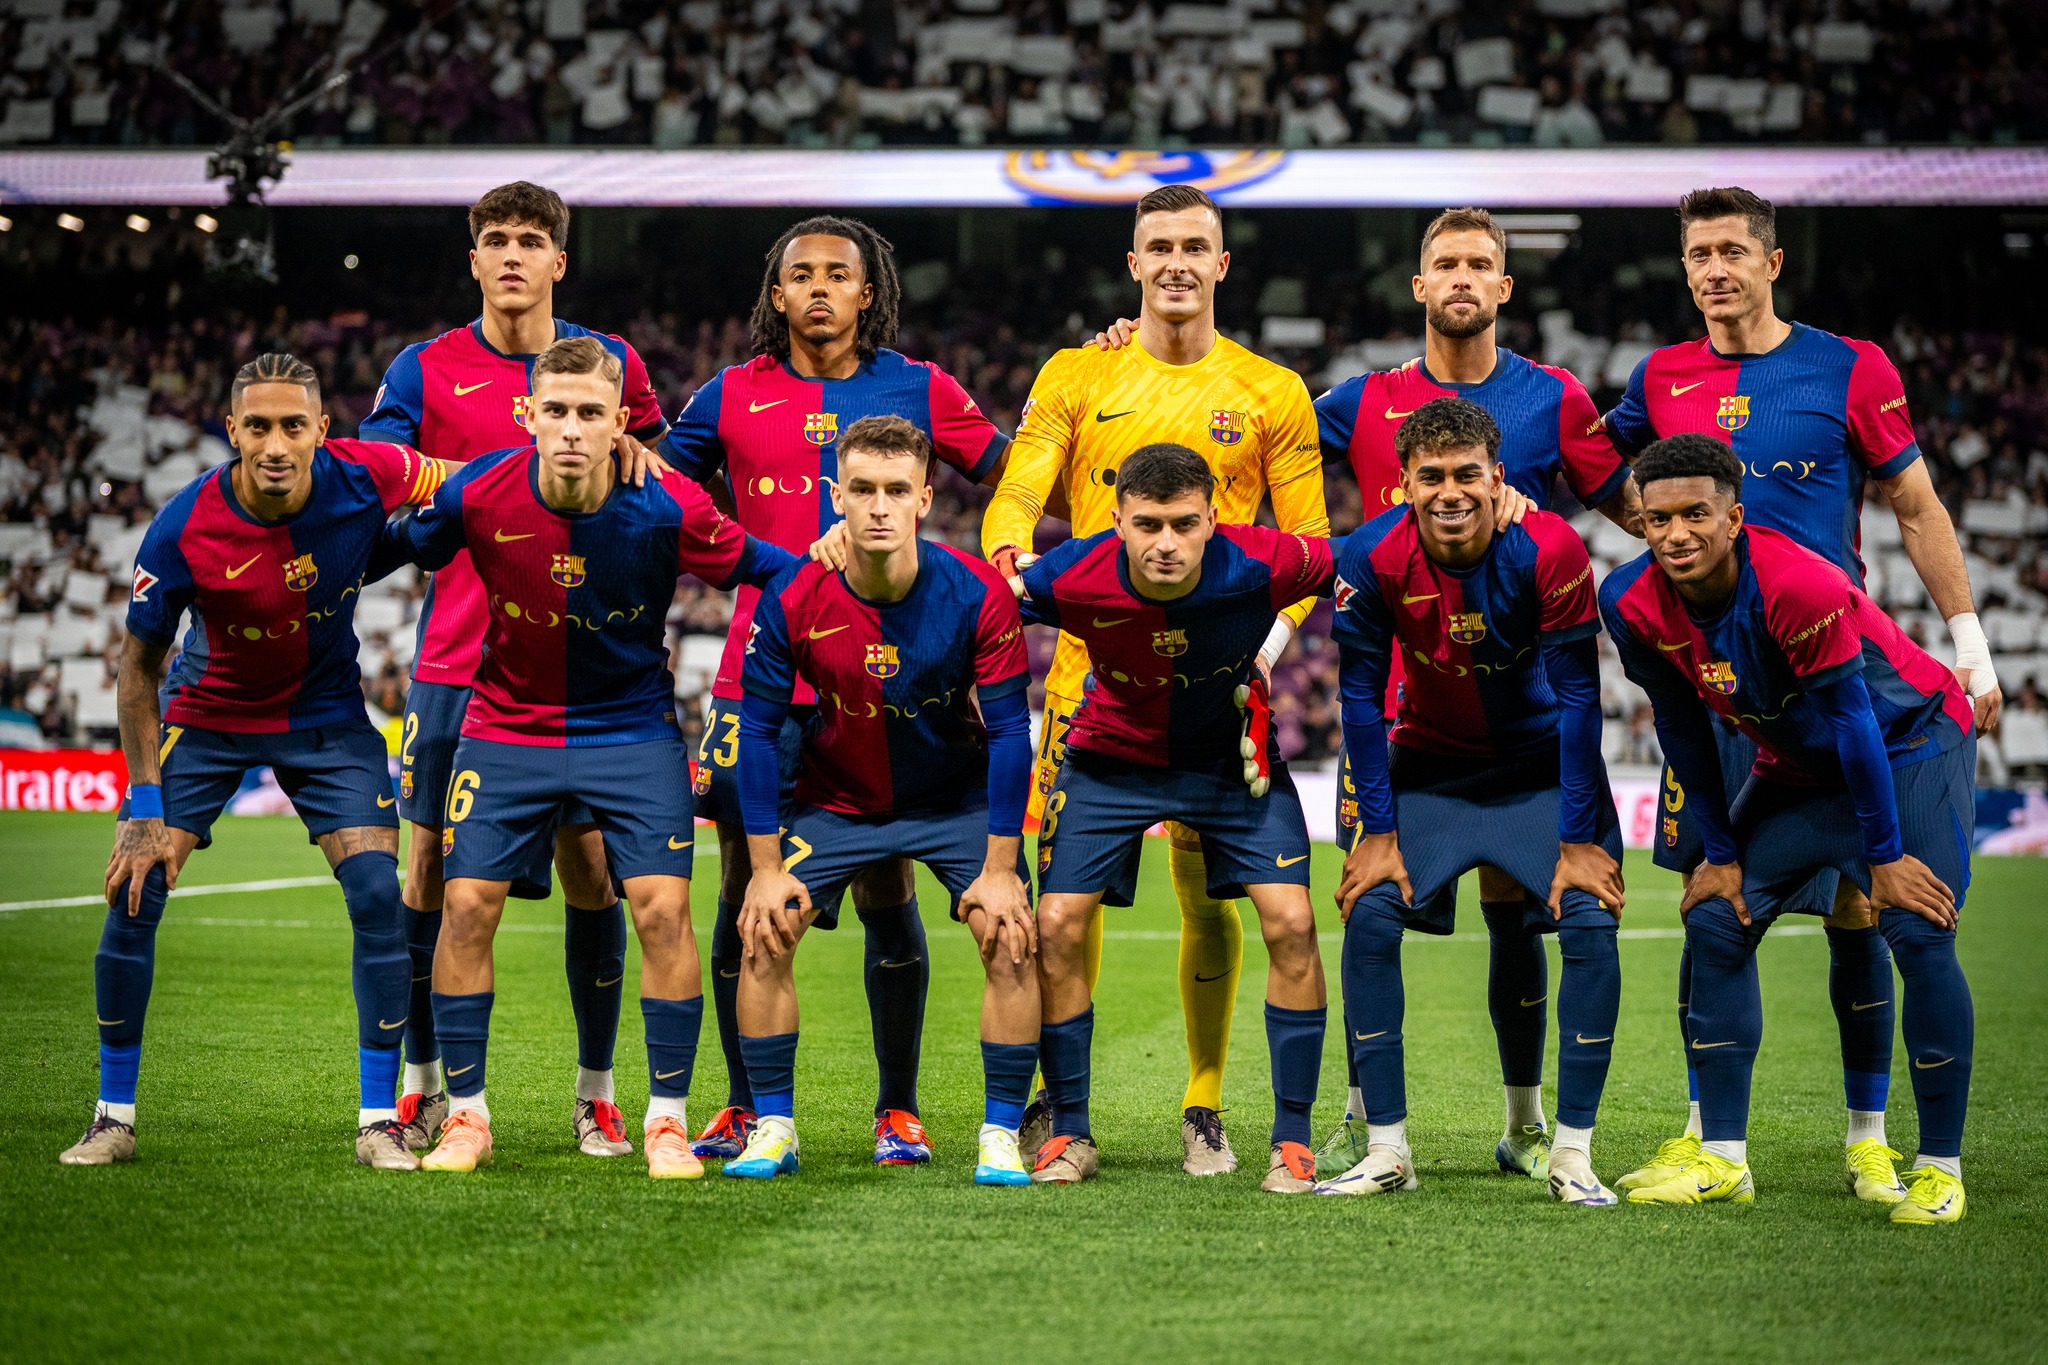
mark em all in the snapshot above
pixel 821 428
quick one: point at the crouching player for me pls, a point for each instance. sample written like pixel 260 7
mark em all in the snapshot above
pixel 1495 752
pixel 1173 609
pixel 573 702
pixel 895 765
pixel 267 552
pixel 1865 759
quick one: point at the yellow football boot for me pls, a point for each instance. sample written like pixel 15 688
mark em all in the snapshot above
pixel 1706 1179
pixel 1932 1196
pixel 1673 1155
pixel 1870 1172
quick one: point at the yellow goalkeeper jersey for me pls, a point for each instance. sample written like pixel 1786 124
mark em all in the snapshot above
pixel 1248 417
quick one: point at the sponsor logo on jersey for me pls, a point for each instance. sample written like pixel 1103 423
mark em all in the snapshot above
pixel 1226 426
pixel 1466 627
pixel 1345 592
pixel 301 573
pixel 567 570
pixel 1171 643
pixel 1734 412
pixel 881 661
pixel 144 581
pixel 821 428
pixel 1718 675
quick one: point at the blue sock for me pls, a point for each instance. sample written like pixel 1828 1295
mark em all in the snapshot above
pixel 119 1068
pixel 122 971
pixel 1350 1066
pixel 380 968
pixel 463 1024
pixel 1063 1054
pixel 672 1028
pixel 727 952
pixel 897 972
pixel 1517 991
pixel 771 1072
pixel 594 951
pixel 1940 1026
pixel 1692 1076
pixel 377 1075
pixel 1588 1003
pixel 1006 1071
pixel 422 932
pixel 1860 988
pixel 1375 1002
pixel 1294 1041
pixel 1727 1018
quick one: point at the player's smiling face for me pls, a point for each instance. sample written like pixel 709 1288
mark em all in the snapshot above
pixel 822 288
pixel 1727 268
pixel 1453 492
pixel 1691 525
pixel 1164 541
pixel 1463 283
pixel 1177 258
pixel 882 496
pixel 517 264
pixel 276 428
pixel 574 419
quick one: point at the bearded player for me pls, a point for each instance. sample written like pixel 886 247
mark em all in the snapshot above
pixel 1252 422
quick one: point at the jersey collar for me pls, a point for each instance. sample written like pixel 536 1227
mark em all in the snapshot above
pixel 924 557
pixel 1792 339
pixel 533 483
pixel 1501 357
pixel 225 477
pixel 476 330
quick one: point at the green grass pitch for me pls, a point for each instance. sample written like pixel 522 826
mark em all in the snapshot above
pixel 244 1230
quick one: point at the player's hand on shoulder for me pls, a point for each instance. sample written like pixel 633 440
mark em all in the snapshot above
pixel 1116 336
pixel 772 915
pixel 830 548
pixel 1711 880
pixel 1011 562
pixel 1911 885
pixel 1373 861
pixel 638 461
pixel 1511 508
pixel 139 845
pixel 1591 869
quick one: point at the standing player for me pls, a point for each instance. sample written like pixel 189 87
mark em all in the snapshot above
pixel 266 553
pixel 1173 610
pixel 823 323
pixel 463 394
pixel 1865 759
pixel 1812 416
pixel 1251 419
pixel 898 764
pixel 574 703
pixel 1495 750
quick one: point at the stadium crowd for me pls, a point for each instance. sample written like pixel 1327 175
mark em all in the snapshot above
pixel 870 72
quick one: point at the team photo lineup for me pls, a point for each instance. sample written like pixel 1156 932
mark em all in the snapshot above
pixel 871 712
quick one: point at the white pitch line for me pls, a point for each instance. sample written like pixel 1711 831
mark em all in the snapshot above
pixel 1170 936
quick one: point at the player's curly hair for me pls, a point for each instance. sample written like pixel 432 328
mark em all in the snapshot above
pixel 877 262
pixel 276 367
pixel 1730 201
pixel 1446 424
pixel 1690 455
pixel 1162 472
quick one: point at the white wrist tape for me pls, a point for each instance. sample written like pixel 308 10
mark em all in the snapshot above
pixel 1276 642
pixel 1973 652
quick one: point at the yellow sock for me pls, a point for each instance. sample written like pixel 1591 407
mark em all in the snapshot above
pixel 1211 957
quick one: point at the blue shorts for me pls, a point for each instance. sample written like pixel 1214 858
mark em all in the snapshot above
pixel 1092 835
pixel 1785 834
pixel 426 757
pixel 826 850
pixel 718 756
pixel 338 776
pixel 506 800
pixel 1679 846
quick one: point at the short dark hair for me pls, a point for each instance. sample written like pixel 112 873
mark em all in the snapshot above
pixel 1731 201
pixel 1162 472
pixel 522 201
pixel 1467 220
pixel 579 355
pixel 887 436
pixel 1690 455
pixel 1178 199
pixel 877 262
pixel 276 367
pixel 1446 424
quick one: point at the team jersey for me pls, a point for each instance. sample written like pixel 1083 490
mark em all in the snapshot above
pixel 1161 691
pixel 1471 638
pixel 272 646
pixel 1089 409
pixel 1811 419
pixel 1548 426
pixel 773 433
pixel 573 649
pixel 896 732
pixel 1796 623
pixel 458 397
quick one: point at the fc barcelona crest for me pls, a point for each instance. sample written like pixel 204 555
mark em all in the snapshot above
pixel 405 784
pixel 881 661
pixel 522 410
pixel 1226 426
pixel 567 570
pixel 1171 643
pixel 700 783
pixel 1466 627
pixel 1734 412
pixel 1670 832
pixel 821 428
pixel 300 574
pixel 1719 675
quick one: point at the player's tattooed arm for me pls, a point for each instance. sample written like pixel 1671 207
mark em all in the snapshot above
pixel 772 916
pixel 998 894
pixel 140 844
pixel 1624 507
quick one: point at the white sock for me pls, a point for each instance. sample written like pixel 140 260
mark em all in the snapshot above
pixel 1354 1103
pixel 1568 1138
pixel 366 1117
pixel 593 1085
pixel 1737 1152
pixel 988 1128
pixel 783 1121
pixel 119 1113
pixel 1387 1135
pixel 1865 1124
pixel 1525 1106
pixel 1692 1122
pixel 1952 1164
pixel 423 1078
pixel 458 1103
pixel 658 1107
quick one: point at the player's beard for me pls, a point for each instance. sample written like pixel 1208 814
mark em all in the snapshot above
pixel 1447 324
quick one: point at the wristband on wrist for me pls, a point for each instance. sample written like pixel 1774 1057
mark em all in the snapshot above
pixel 145 801
pixel 1973 651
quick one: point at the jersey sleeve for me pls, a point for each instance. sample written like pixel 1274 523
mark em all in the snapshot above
pixel 962 435
pixel 708 543
pixel 403 476
pixel 1337 418
pixel 692 443
pixel 401 401
pixel 1294 478
pixel 162 587
pixel 643 408
pixel 1811 617
pixel 1040 606
pixel 767 669
pixel 1000 664
pixel 1592 466
pixel 1038 458
pixel 1302 567
pixel 435 534
pixel 1568 609
pixel 1364 632
pixel 1628 425
pixel 1880 429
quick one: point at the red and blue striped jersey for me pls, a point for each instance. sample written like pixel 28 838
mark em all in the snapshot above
pixel 1811 420
pixel 1796 623
pixel 773 433
pixel 272 646
pixel 574 653
pixel 1162 674
pixel 896 732
pixel 1470 638
pixel 1548 426
pixel 457 397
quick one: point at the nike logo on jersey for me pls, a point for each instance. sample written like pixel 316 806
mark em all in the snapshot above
pixel 384 801
pixel 461 389
pixel 674 842
pixel 455 1071
pixel 817 634
pixel 1677 392
pixel 1409 600
pixel 1393 416
pixel 763 407
pixel 1871 1006
pixel 1702 1047
pixel 241 569
pixel 1101 624
pixel 1680 645
pixel 1929 1066
pixel 1368 1037
pixel 1102 416
pixel 504 539
pixel 1289 862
